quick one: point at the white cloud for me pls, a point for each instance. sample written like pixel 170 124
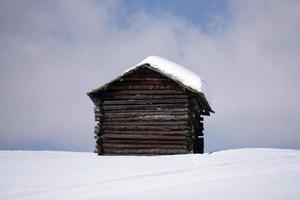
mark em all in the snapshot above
pixel 53 53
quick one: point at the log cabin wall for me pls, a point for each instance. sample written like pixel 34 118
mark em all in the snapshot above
pixel 196 111
pixel 147 113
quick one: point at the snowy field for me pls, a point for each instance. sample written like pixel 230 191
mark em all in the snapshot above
pixel 231 174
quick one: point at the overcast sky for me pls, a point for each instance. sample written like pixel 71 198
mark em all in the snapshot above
pixel 53 52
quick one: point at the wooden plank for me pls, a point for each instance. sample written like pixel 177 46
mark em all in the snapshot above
pixel 125 107
pixel 145 137
pixel 148 132
pixel 142 96
pixel 144 115
pixel 144 151
pixel 142 141
pixel 142 146
pixel 97 109
pixel 145 78
pixel 142 102
pixel 145 123
pixel 144 75
pixel 144 82
pixel 149 118
pixel 130 113
pixel 127 92
pixel 149 110
pixel 144 87
pixel 97 130
pixel 143 71
pixel 143 128
pixel 98 114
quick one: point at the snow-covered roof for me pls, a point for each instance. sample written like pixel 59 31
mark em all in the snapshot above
pixel 178 73
pixel 173 71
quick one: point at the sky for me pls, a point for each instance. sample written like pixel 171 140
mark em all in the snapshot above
pixel 53 52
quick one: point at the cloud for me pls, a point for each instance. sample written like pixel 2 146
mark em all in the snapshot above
pixel 52 53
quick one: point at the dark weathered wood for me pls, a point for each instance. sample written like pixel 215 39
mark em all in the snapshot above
pixel 143 128
pixel 139 113
pixel 142 146
pixel 97 130
pixel 197 126
pixel 169 133
pixel 98 114
pixel 148 111
pixel 98 118
pixel 124 107
pixel 142 82
pixel 127 92
pixel 99 149
pixel 146 78
pixel 146 123
pixel 97 109
pixel 144 151
pixel 195 106
pixel 142 96
pixel 198 145
pixel 144 87
pixel 145 137
pixel 145 112
pixel 149 118
pixel 142 141
pixel 142 102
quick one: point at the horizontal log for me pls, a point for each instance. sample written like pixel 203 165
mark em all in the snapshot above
pixel 142 141
pixel 97 107
pixel 142 128
pixel 99 147
pixel 143 71
pixel 143 75
pixel 145 78
pixel 97 137
pixel 98 118
pixel 149 118
pixel 127 92
pixel 98 114
pixel 140 113
pixel 149 110
pixel 144 151
pixel 148 132
pixel 139 81
pixel 145 123
pixel 99 141
pixel 145 87
pixel 125 107
pixel 97 110
pixel 143 102
pixel 145 137
pixel 142 146
pixel 143 96
pixel 97 131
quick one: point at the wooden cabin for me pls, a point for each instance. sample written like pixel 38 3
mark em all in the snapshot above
pixel 156 107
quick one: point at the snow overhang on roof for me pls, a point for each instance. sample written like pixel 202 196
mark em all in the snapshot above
pixel 178 73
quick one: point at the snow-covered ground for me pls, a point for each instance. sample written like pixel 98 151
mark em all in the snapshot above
pixel 231 174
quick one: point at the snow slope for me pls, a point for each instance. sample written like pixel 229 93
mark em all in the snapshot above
pixel 231 174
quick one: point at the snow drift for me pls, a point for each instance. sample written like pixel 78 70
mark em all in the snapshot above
pixel 231 174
